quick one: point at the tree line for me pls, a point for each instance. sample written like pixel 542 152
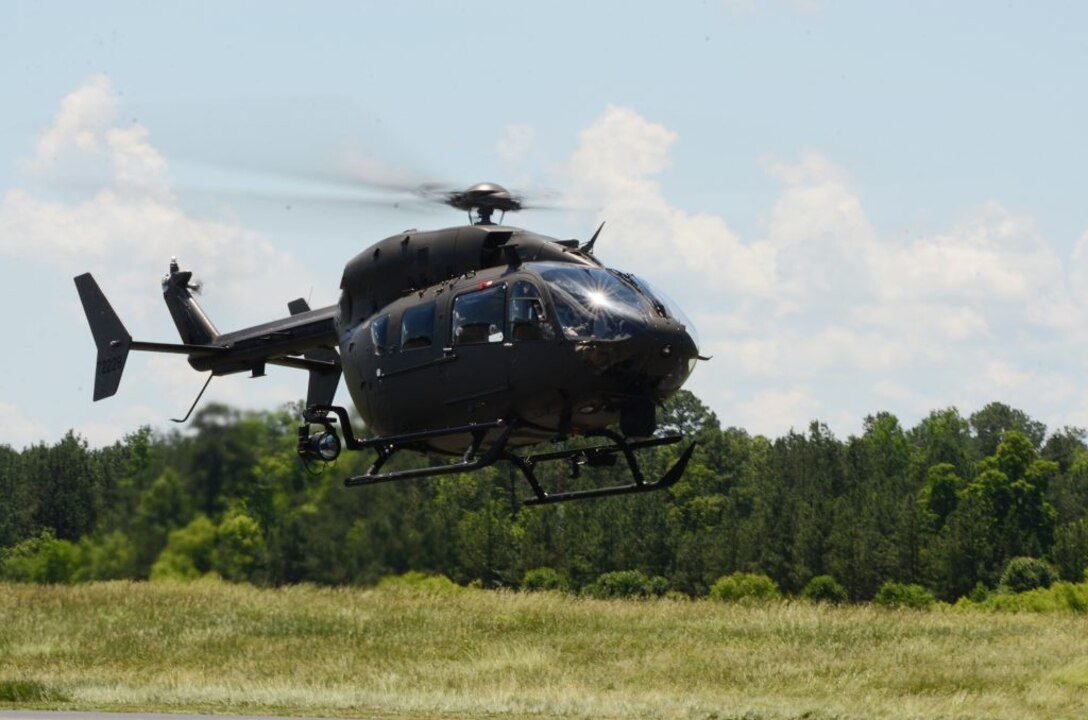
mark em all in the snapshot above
pixel 945 504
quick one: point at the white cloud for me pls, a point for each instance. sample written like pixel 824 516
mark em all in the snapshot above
pixel 85 116
pixel 130 226
pixel 615 168
pixel 821 313
pixel 125 228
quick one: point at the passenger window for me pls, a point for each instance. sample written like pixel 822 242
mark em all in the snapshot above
pixel 417 327
pixel 528 317
pixel 379 334
pixel 478 316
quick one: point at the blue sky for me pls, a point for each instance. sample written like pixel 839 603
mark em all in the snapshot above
pixel 864 206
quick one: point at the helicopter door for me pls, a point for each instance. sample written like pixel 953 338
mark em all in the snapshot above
pixel 535 356
pixel 477 376
pixel 405 387
pixel 528 316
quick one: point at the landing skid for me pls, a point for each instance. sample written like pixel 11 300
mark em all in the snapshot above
pixel 596 456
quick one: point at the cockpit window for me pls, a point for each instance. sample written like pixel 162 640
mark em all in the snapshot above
pixel 477 316
pixel 528 316
pixel 592 304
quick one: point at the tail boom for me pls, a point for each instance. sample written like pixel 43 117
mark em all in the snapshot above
pixel 306 339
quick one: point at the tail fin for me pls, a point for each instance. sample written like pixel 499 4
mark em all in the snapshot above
pixel 193 325
pixel 110 336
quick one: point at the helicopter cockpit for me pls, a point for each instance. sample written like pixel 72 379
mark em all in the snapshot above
pixel 591 303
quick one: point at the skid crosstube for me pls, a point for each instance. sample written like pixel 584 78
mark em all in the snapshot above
pixel 595 456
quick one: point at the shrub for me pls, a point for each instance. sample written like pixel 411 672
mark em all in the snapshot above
pixel 979 593
pixel 626 584
pixel 1027 573
pixel 543 578
pixel 742 586
pixel 824 588
pixel 108 557
pixel 40 559
pixel 189 552
pixel 894 595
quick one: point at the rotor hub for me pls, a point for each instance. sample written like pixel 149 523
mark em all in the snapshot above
pixel 485 199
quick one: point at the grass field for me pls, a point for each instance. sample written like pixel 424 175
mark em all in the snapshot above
pixel 403 652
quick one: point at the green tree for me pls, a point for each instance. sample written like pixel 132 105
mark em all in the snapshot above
pixel 240 552
pixel 1065 446
pixel 189 552
pixel 66 485
pixel 162 508
pixel 487 544
pixel 17 501
pixel 993 422
pixel 940 495
pixel 1070 550
pixel 943 437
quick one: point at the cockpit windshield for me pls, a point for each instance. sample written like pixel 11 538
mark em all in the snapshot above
pixel 671 309
pixel 590 303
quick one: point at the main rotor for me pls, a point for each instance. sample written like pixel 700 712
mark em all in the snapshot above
pixel 485 198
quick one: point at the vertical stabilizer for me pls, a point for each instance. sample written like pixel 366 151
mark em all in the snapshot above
pixel 110 336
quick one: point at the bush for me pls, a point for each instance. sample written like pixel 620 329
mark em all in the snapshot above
pixel 543 578
pixel 979 593
pixel 1059 597
pixel 742 586
pixel 40 559
pixel 109 557
pixel 626 584
pixel 1027 573
pixel 895 595
pixel 189 552
pixel 824 588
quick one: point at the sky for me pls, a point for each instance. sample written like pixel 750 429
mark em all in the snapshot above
pixel 864 207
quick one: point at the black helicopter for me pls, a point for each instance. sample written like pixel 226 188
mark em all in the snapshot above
pixel 470 342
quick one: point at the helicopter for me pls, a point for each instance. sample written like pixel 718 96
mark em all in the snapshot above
pixel 473 342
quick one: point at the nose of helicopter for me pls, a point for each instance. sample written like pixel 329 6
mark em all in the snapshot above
pixel 656 361
pixel 679 351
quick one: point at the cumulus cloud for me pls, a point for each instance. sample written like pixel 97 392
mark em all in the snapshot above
pixel 130 225
pixel 615 168
pixel 821 315
pixel 125 227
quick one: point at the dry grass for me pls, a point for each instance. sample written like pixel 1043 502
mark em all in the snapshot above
pixel 403 652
